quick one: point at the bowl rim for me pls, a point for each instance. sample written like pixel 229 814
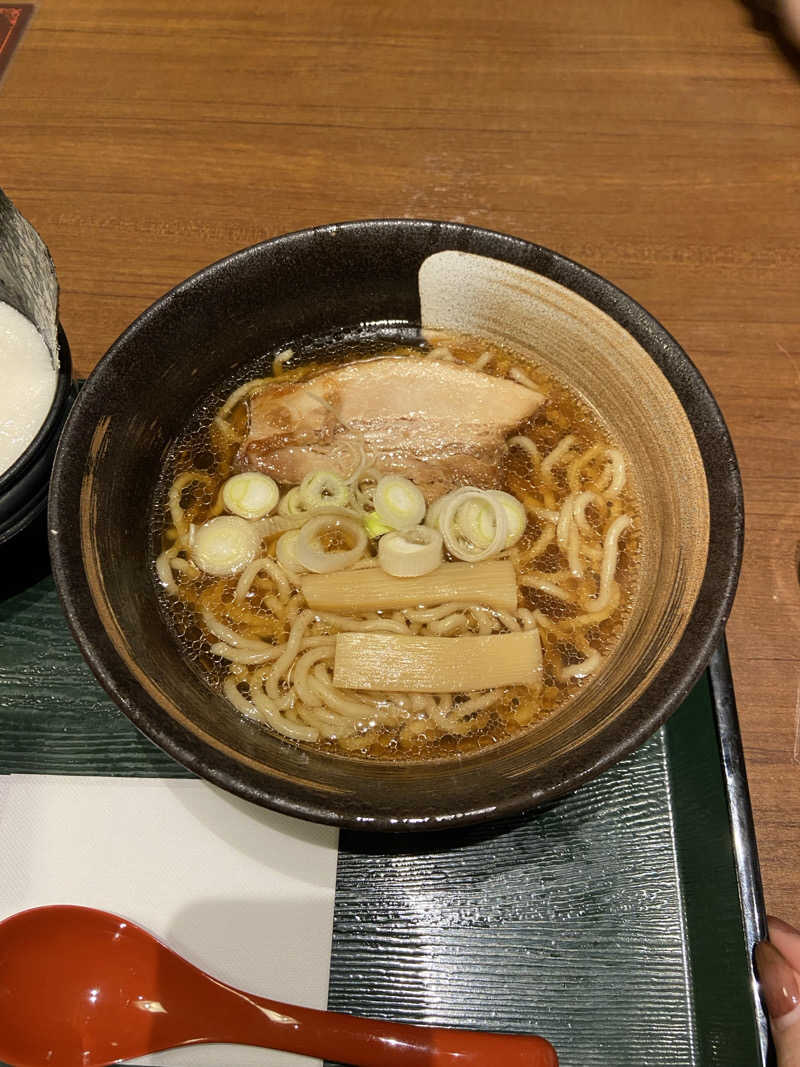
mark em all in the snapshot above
pixel 665 693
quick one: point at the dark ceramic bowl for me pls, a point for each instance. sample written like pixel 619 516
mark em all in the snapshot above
pixel 336 278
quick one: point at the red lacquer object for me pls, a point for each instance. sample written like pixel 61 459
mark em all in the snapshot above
pixel 83 988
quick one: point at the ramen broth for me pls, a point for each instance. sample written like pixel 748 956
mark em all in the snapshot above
pixel 574 484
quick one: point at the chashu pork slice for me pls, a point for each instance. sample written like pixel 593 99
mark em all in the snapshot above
pixel 440 424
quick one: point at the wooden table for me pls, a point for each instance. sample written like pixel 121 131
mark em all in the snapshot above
pixel 656 143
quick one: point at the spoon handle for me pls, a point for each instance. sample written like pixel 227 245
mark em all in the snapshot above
pixel 376 1043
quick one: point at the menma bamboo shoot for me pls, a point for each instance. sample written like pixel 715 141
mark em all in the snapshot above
pixel 491 583
pixel 437 664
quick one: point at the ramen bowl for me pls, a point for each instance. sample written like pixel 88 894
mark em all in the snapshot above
pixel 395 275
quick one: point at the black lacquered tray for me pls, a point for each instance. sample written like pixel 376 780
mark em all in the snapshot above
pixel 619 923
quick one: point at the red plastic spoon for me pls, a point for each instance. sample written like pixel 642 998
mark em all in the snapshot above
pixel 82 988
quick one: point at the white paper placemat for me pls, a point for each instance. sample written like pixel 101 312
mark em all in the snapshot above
pixel 242 892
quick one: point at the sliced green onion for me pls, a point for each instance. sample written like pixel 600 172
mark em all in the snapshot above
pixel 398 502
pixel 285 552
pixel 459 543
pixel 290 503
pixel 435 510
pixel 477 522
pixel 364 489
pixel 515 513
pixel 330 543
pixel 321 489
pixel 225 544
pixel 374 526
pixel 410 553
pixel 250 495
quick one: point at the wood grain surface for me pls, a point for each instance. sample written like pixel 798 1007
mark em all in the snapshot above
pixel 656 143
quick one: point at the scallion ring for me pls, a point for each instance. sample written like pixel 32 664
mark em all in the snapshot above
pixel 330 543
pixel 398 502
pixel 290 503
pixel 410 553
pixel 374 526
pixel 435 510
pixel 477 523
pixel 285 551
pixel 225 544
pixel 457 543
pixel 251 495
pixel 321 489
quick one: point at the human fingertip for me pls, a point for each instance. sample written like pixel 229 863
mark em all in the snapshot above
pixel 779 985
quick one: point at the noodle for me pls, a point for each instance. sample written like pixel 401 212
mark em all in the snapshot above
pixel 229 636
pixel 362 624
pixel 574 547
pixel 558 455
pixel 484 619
pixel 476 703
pixel 240 394
pixel 259 566
pixel 300 678
pixel 240 702
pixel 294 607
pixel 164 570
pixel 244 655
pixel 284 662
pixel 529 446
pixel 519 376
pixel 450 624
pixel 608 566
pixel 547 515
pixel 280 361
pixel 568 537
pixel 508 622
pixel 441 353
pixel 179 520
pixel 617 468
pixel 583 669
pixel 428 615
pixel 598 615
pixel 439 713
pixel 544 585
pixel 576 467
pixel 544 540
pixel 580 502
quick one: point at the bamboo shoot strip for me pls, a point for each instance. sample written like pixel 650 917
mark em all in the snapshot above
pixel 437 664
pixel 492 583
